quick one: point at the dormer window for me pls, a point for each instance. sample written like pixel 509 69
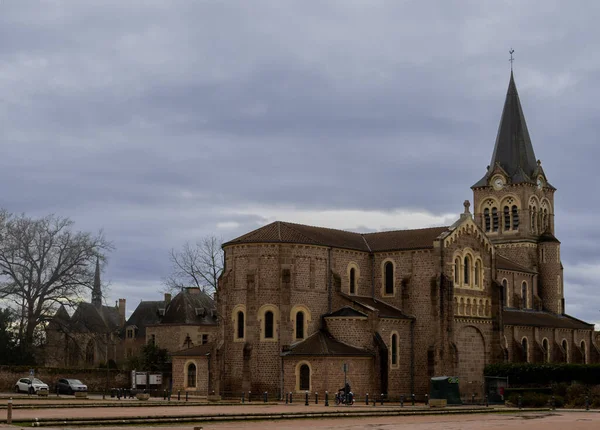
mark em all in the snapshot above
pixel 161 312
pixel 130 332
pixel 200 312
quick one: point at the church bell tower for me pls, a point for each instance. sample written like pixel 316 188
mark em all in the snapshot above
pixel 514 204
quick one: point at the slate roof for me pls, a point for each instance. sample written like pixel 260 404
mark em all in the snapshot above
pixel 346 311
pixel 542 319
pixel 286 232
pixel 195 351
pixel 182 309
pixel 503 263
pixel 385 310
pixel 548 237
pixel 88 318
pixel 322 343
pixel 513 151
pixel 145 314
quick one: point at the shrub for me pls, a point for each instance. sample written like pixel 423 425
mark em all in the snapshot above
pixel 543 374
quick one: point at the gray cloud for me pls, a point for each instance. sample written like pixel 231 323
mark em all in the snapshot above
pixel 149 119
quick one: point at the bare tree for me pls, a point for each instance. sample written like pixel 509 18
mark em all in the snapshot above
pixel 44 263
pixel 198 265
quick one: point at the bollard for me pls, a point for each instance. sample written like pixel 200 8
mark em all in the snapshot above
pixel 326 398
pixel 290 397
pixel 249 396
pixel 266 395
pixel 9 411
pixel 426 399
pixel 520 402
pixel 587 403
pixel 553 404
pixel 169 395
pixel 402 401
pixel 367 399
pixel 286 398
pixel 118 394
pixel 306 400
pixel 178 394
pixel 381 399
pixel 243 397
pixel 412 399
pixel 186 396
pixel 374 399
pixel 473 398
pixel 316 398
pixel 487 401
pixel 164 394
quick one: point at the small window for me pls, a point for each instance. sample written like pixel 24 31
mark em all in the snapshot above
pixel 240 325
pixel 467 269
pixel 486 218
pixel 546 347
pixel 352 281
pixel 191 375
pixel 89 352
pixel 300 325
pixel 152 340
pixel 515 218
pixel 524 295
pixel 533 218
pixel 457 272
pixel 506 218
pixel 477 274
pixel 304 377
pixel 389 278
pixel 268 325
pixel 565 346
pixel 525 346
pixel 505 292
pixel 204 339
pixel 583 352
pixel 394 349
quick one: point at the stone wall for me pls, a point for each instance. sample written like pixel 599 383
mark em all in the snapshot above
pixel 180 374
pixel 95 379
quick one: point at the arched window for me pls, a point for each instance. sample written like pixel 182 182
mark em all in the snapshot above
pixel 304 377
pixel 515 218
pixel 240 325
pixel 506 218
pixel 457 272
pixel 546 347
pixel 525 346
pixel 467 270
pixel 565 347
pixel 389 278
pixel 583 352
pixel 300 325
pixel 191 375
pixel 533 219
pixel 268 325
pixel 495 220
pixel 505 291
pixel 352 280
pixel 394 350
pixel 477 274
pixel 524 295
pixel 486 218
pixel 90 352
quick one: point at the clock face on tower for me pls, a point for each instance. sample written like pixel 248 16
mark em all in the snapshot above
pixel 498 182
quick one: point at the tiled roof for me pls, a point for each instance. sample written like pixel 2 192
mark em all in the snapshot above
pixel 504 263
pixel 548 237
pixel 145 314
pixel 195 351
pixel 542 319
pixel 88 318
pixel 322 343
pixel 346 311
pixel 385 310
pixel 182 309
pixel 285 232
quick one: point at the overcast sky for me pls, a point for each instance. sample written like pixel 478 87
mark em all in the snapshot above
pixel 163 121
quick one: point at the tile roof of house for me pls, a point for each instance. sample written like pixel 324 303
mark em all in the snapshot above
pixel 286 232
pixel 195 351
pixel 183 309
pixel 518 317
pixel 504 263
pixel 322 343
pixel 145 314
pixel 346 311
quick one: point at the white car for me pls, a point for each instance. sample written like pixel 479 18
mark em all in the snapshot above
pixel 30 385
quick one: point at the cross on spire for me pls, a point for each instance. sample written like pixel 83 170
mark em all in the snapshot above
pixel 511 52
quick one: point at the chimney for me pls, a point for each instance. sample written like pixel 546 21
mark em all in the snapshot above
pixel 167 298
pixel 122 312
pixel 193 290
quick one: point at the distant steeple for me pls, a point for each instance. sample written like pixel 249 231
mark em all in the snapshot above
pixel 97 291
pixel 513 151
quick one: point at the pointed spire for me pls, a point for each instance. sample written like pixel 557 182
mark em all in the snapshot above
pixel 513 151
pixel 97 291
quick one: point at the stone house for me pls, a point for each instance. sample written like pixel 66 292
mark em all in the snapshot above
pixel 297 304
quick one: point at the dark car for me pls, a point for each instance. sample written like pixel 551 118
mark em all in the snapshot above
pixel 70 386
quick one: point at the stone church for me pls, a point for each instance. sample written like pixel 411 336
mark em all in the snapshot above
pixel 296 303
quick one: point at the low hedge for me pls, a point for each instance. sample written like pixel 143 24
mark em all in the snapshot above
pixel 523 374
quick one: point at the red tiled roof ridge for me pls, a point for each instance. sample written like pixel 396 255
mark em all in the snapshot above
pixel 525 269
pixel 442 227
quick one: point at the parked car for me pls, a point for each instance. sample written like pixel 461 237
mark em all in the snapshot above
pixel 30 385
pixel 70 386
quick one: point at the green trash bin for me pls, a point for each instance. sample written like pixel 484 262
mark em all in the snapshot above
pixel 445 387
